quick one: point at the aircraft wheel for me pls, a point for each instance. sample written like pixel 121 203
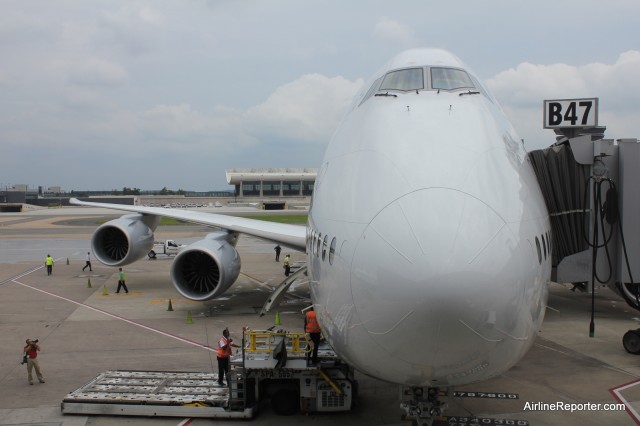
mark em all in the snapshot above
pixel 152 254
pixel 631 341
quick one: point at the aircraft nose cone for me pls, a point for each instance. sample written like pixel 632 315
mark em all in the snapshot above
pixel 433 272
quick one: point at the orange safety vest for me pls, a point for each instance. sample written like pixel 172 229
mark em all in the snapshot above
pixel 226 352
pixel 312 323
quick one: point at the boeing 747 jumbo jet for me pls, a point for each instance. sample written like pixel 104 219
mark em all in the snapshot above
pixel 428 240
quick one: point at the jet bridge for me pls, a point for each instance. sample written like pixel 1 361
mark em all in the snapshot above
pixel 590 188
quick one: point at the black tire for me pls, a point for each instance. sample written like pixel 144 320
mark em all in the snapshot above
pixel 285 402
pixel 631 341
pixel 152 254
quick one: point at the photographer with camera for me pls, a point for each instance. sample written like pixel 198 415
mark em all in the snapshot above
pixel 31 353
pixel 224 352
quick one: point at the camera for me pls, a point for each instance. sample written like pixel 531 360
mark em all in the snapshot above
pixel 35 340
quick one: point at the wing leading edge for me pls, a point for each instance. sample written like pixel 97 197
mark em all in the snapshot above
pixel 293 236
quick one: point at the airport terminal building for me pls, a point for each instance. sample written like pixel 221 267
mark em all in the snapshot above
pixel 273 188
pixel 270 182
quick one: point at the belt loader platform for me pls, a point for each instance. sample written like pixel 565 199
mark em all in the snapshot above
pixel 153 393
pixel 271 365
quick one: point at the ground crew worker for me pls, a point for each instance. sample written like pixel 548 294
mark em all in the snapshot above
pixel 224 352
pixel 312 327
pixel 31 350
pixel 48 262
pixel 287 265
pixel 87 262
pixel 121 277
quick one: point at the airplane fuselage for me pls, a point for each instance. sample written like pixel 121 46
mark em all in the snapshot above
pixel 428 237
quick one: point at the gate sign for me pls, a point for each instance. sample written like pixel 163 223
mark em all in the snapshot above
pixel 570 113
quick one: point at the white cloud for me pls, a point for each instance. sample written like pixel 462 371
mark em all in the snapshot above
pixel 132 26
pixel 390 31
pixel 175 120
pixel 307 109
pixel 96 72
pixel 177 127
pixel 521 91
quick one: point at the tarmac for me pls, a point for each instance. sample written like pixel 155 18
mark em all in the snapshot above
pixel 85 329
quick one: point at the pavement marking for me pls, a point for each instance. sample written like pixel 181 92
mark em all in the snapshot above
pixel 257 281
pixel 22 274
pixel 617 394
pixel 552 349
pixel 165 300
pixel 118 317
pixel 122 294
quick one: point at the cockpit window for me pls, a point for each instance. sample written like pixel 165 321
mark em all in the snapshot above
pixel 408 79
pixel 371 91
pixel 450 79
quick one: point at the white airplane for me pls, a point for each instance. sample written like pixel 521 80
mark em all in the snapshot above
pixel 428 241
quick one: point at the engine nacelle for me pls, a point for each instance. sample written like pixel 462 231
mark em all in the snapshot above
pixel 207 268
pixel 124 240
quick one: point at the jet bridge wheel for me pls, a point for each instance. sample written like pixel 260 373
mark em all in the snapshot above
pixel 631 341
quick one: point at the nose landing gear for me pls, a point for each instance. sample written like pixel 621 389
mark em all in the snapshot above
pixel 422 408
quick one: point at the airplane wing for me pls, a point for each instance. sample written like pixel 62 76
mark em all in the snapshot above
pixel 293 236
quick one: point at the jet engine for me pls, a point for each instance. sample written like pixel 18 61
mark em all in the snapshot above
pixel 207 268
pixel 124 240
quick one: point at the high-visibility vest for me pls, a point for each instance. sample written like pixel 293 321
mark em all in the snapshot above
pixel 224 352
pixel 312 323
pixel 122 275
pixel 49 261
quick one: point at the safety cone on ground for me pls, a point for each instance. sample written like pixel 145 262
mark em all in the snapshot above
pixel 189 318
pixel 105 292
pixel 67 260
pixel 88 282
pixel 170 307
pixel 277 321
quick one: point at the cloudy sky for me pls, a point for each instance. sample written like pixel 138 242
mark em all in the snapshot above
pixel 152 93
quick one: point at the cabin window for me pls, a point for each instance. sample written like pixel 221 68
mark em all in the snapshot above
pixel 549 242
pixel 332 250
pixel 313 243
pixel 409 79
pixel 324 247
pixel 450 79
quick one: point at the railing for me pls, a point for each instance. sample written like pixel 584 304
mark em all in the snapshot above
pixel 266 341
